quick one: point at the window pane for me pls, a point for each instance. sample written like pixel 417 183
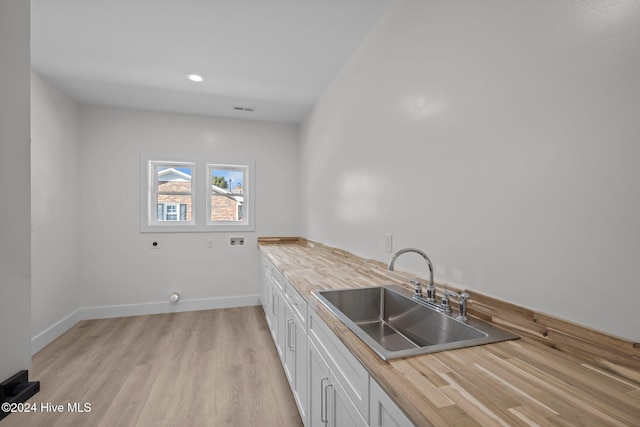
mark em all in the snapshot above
pixel 174 179
pixel 173 192
pixel 227 192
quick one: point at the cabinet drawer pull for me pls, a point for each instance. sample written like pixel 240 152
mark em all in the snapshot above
pixel 326 402
pixel 293 335
pixel 289 322
pixel 323 403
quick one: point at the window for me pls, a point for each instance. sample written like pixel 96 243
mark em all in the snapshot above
pixel 171 193
pixel 196 196
pixel 228 194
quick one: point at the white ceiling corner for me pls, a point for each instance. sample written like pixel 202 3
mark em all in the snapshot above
pixel 276 56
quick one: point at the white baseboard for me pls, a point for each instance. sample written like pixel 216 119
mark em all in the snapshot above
pixel 41 340
pixel 106 312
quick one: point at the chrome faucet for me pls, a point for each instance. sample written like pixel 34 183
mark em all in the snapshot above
pixel 430 300
pixel 431 289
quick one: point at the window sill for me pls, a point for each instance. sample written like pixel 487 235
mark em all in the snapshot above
pixel 195 228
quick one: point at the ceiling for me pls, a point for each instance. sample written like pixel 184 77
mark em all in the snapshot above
pixel 275 56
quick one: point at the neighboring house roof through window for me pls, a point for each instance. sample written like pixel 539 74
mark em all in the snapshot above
pixel 173 174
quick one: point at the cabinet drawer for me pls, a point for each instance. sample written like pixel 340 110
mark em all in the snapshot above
pixel 297 303
pixel 269 268
pixel 275 275
pixel 348 370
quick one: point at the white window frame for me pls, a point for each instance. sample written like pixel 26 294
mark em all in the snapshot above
pixel 151 214
pixel 247 191
pixel 200 195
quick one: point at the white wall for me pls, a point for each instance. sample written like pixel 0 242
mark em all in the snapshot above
pixel 117 267
pixel 15 287
pixel 54 210
pixel 501 138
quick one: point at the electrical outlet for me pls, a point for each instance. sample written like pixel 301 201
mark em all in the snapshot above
pixel 388 242
pixel 236 241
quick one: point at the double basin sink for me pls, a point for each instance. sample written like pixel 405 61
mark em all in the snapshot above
pixel 394 325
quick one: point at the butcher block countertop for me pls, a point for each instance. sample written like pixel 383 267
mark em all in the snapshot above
pixel 558 373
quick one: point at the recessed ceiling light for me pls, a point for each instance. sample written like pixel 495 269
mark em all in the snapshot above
pixel 197 78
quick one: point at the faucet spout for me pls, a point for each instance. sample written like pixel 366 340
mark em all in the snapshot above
pixel 431 290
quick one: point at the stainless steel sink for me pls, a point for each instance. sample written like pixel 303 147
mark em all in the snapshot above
pixel 389 321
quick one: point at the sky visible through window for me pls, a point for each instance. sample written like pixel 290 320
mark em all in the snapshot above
pixel 235 175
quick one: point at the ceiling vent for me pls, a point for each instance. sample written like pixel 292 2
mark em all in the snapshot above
pixel 243 108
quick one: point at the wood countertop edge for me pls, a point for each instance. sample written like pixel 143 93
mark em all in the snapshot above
pixel 447 399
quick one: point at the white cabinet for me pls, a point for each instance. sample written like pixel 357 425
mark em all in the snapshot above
pixel 289 359
pixel 318 379
pixel 342 411
pixel 279 322
pixel 384 412
pixel 329 384
pixel 346 367
pixel 265 295
pixel 275 314
pixel 295 360
pixel 297 303
pixel 284 312
pixel 329 405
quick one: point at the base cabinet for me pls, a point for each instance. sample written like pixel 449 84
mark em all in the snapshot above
pixel 295 360
pixel 265 293
pixel 384 412
pixel 318 379
pixel 278 321
pixel 329 404
pixel 329 384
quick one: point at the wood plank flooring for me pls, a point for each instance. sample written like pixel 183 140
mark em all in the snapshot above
pixel 203 368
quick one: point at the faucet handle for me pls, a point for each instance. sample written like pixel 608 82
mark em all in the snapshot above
pixel 446 294
pixel 418 288
pixel 445 306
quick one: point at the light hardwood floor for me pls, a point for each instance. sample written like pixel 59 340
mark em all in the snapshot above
pixel 204 368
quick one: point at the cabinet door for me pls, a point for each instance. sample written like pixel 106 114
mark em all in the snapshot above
pixel 384 412
pixel 264 289
pixel 295 363
pixel 329 405
pixel 279 321
pixel 289 346
pixel 318 381
pixel 301 377
pixel 268 303
pixel 349 371
pixel 342 412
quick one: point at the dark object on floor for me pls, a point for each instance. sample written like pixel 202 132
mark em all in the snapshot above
pixel 17 389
